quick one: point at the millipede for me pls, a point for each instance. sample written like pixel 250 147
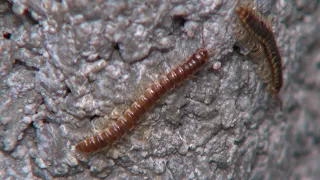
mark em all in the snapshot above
pixel 131 116
pixel 258 38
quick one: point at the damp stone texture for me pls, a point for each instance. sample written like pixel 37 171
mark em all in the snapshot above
pixel 69 68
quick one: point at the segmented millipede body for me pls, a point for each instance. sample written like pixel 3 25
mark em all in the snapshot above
pixel 131 116
pixel 260 40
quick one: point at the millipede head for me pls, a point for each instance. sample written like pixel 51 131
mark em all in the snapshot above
pixel 242 12
pixel 203 53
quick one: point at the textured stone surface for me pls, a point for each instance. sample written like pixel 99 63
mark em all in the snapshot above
pixel 68 68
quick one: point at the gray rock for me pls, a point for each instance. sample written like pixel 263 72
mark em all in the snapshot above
pixel 69 68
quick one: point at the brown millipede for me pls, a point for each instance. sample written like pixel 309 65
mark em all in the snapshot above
pixel 131 116
pixel 259 39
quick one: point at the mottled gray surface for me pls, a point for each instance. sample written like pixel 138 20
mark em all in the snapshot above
pixel 68 68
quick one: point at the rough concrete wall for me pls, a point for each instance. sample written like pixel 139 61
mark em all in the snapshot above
pixel 68 68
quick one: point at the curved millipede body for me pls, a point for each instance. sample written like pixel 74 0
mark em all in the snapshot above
pixel 259 39
pixel 131 116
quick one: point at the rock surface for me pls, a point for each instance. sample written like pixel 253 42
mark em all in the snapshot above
pixel 69 68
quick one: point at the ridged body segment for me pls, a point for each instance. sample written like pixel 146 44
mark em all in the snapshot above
pixel 257 26
pixel 130 117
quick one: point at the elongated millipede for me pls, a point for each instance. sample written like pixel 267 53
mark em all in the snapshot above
pixel 264 48
pixel 131 116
